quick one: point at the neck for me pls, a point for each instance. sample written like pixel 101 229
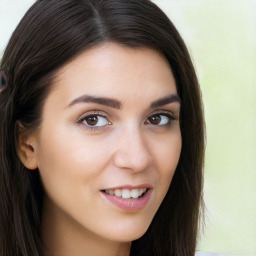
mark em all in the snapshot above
pixel 65 237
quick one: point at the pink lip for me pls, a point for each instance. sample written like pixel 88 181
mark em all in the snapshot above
pixel 148 186
pixel 129 204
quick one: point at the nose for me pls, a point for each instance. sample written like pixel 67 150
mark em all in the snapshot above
pixel 132 151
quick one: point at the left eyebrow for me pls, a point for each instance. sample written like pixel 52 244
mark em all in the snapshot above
pixel 165 100
pixel 113 103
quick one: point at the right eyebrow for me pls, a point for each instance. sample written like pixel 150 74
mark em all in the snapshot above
pixel 166 100
pixel 109 102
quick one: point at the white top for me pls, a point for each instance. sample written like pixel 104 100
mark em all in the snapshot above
pixel 202 253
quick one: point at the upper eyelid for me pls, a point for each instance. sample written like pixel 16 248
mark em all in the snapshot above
pixel 80 121
pixel 161 111
pixel 165 112
pixel 93 112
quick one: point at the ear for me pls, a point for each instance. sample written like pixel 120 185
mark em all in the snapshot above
pixel 26 144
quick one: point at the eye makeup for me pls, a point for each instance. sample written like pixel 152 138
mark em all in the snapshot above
pixel 93 120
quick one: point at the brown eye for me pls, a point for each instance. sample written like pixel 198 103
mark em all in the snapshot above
pixel 95 120
pixel 91 120
pixel 160 119
pixel 156 119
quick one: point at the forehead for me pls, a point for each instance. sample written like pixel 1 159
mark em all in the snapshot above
pixel 116 71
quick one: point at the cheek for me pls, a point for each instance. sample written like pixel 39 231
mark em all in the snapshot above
pixel 66 146
pixel 167 156
pixel 66 156
pixel 69 168
pixel 168 153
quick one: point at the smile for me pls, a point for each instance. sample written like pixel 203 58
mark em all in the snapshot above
pixel 128 198
pixel 127 193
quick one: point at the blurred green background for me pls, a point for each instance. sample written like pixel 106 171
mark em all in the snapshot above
pixel 221 38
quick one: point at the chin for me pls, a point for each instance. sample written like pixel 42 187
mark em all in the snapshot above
pixel 129 234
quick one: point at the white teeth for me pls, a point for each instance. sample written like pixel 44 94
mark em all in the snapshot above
pixel 143 190
pixel 118 192
pixel 111 192
pixel 135 193
pixel 126 193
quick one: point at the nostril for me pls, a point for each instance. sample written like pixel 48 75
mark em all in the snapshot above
pixel 134 160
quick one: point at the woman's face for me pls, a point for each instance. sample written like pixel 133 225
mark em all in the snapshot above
pixel 109 142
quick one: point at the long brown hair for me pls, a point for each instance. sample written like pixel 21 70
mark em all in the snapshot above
pixel 50 35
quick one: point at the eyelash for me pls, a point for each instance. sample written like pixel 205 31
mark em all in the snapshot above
pixel 92 114
pixel 170 116
pixel 81 120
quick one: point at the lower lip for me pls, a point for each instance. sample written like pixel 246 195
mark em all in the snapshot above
pixel 129 204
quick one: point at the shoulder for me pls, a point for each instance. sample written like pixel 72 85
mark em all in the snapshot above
pixel 203 253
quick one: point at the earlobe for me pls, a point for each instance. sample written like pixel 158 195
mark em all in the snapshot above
pixel 26 147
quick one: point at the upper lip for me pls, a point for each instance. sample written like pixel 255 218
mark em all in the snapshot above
pixel 148 186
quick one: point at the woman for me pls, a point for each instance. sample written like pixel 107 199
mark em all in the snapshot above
pixel 102 133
